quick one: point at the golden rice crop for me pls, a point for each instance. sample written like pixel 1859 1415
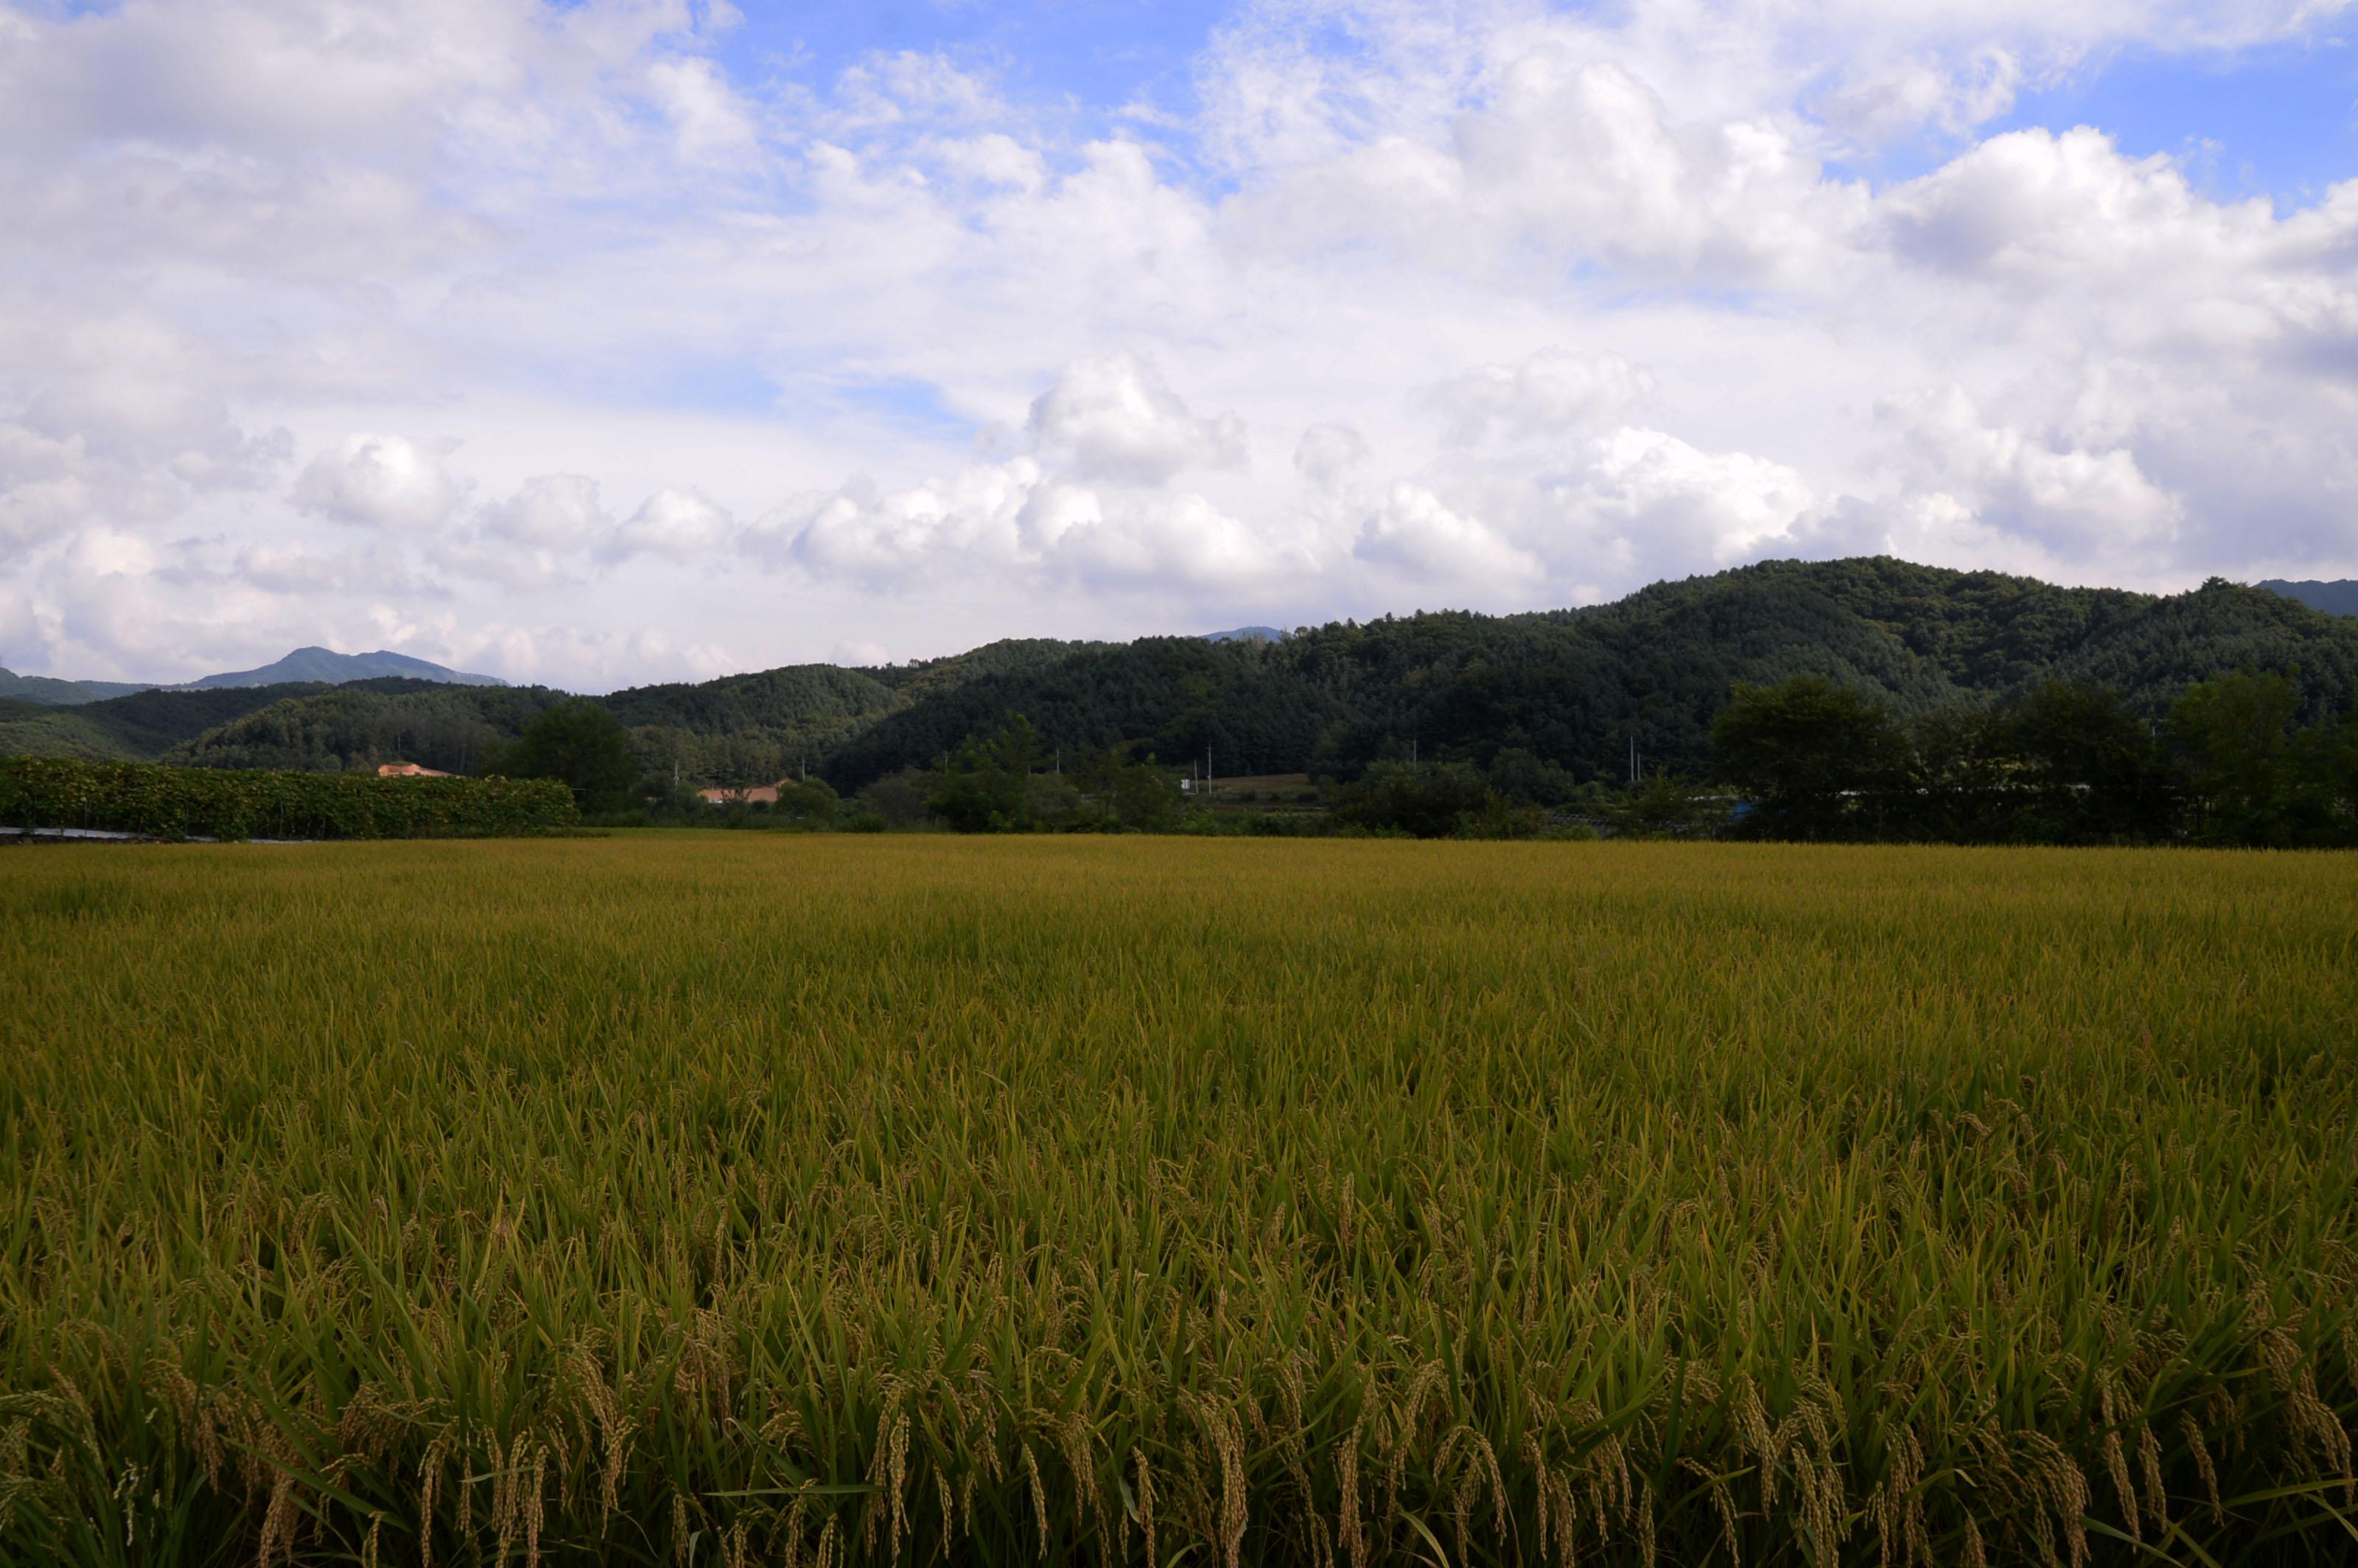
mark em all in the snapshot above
pixel 694 1199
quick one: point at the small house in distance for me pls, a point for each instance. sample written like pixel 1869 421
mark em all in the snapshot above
pixel 408 771
pixel 764 794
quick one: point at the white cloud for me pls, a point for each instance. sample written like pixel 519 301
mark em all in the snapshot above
pixel 553 511
pixel 380 482
pixel 19 631
pixel 1550 394
pixel 1330 456
pixel 675 524
pixel 1114 418
pixel 621 268
pixel 297 569
pixel 1183 541
pixel 863 534
pixel 706 114
pixel 1414 531
pixel 1015 526
pixel 1902 97
pixel 1673 506
pixel 996 159
pixel 2075 501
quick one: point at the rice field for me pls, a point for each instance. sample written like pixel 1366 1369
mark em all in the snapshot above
pixel 730 1199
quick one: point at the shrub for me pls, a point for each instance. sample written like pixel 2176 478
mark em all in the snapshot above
pixel 219 803
pixel 582 744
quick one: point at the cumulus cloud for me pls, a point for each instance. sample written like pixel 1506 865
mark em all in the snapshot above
pixel 1556 299
pixel 675 524
pixel 18 630
pixel 1575 157
pixel 2075 501
pixel 1329 456
pixel 551 512
pixel 299 570
pixel 380 482
pixel 2040 206
pixel 1669 504
pixel 1013 524
pixel 1906 96
pixel 706 114
pixel 1550 394
pixel 1413 530
pixel 1113 417
pixel 865 534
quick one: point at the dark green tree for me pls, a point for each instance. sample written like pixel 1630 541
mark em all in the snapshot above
pixel 1428 803
pixel 1144 799
pixel 2233 733
pixel 1519 775
pixel 898 800
pixel 1815 760
pixel 1115 790
pixel 812 803
pixel 985 787
pixel 2324 809
pixel 580 742
pixel 1954 780
pixel 2089 769
pixel 1663 805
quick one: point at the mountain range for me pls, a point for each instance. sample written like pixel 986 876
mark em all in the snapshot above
pixel 1539 701
pixel 2338 598
pixel 304 665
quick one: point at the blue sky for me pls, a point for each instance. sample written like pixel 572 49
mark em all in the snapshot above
pixel 622 339
pixel 1100 54
pixel 2280 122
pixel 2277 119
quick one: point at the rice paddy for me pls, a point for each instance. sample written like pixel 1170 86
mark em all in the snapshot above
pixel 692 1199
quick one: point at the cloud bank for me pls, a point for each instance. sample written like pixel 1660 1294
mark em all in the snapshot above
pixel 581 343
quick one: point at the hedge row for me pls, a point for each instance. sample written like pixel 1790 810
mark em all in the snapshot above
pixel 183 802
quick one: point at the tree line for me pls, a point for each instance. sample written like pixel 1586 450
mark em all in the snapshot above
pixel 2071 763
pixel 1805 758
pixel 1545 706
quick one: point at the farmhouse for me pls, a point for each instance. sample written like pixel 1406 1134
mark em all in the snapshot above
pixel 408 771
pixel 765 795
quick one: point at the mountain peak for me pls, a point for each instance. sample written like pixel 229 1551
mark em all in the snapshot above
pixel 315 663
pixel 2337 597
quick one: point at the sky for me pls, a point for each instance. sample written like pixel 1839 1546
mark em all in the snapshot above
pixel 609 342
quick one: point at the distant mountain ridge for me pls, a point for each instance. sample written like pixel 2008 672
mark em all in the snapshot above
pixel 2336 598
pixel 50 691
pixel 1247 634
pixel 1540 702
pixel 321 666
pixel 331 668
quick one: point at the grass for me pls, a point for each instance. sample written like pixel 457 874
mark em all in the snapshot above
pixel 725 1199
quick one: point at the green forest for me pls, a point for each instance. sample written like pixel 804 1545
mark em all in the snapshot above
pixel 1549 712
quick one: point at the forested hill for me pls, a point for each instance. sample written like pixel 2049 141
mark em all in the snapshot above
pixel 734 730
pixel 48 690
pixel 1571 690
pixel 138 727
pixel 1548 698
pixel 2337 597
